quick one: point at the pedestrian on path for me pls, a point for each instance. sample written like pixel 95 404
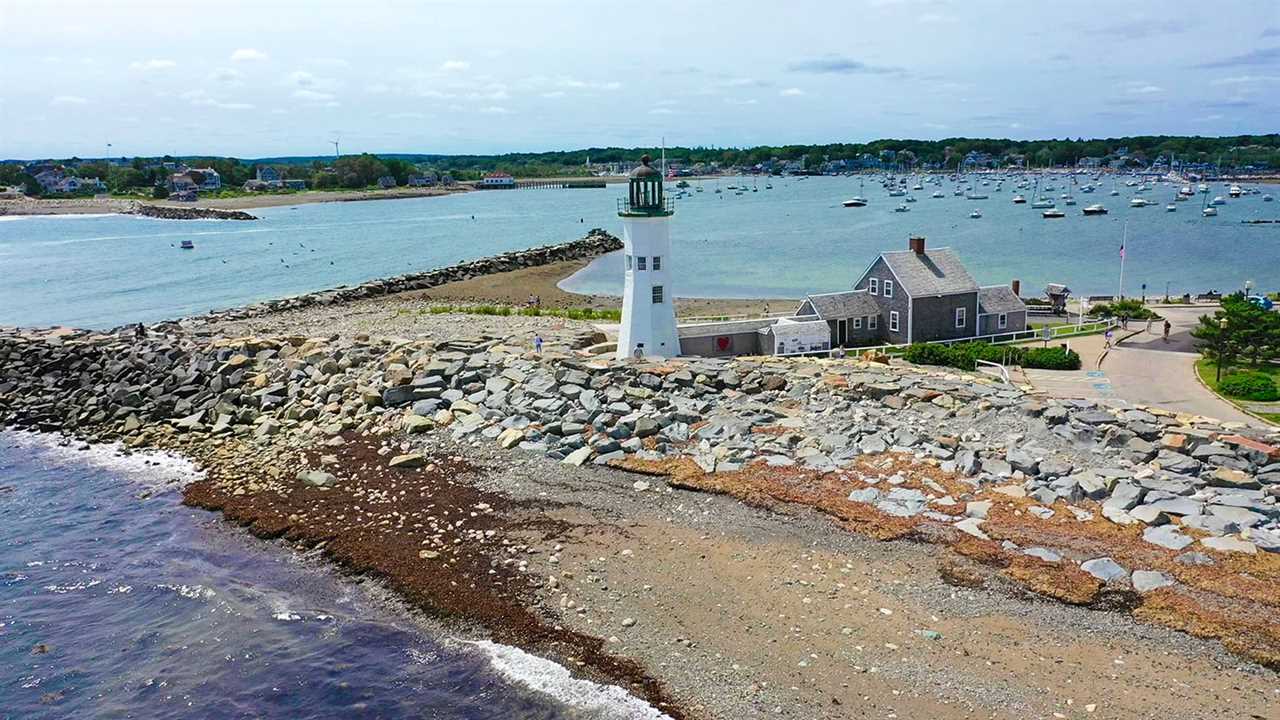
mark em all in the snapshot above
pixel 537 344
pixel 1166 330
pixel 1107 339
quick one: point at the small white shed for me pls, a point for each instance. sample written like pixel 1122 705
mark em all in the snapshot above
pixel 798 337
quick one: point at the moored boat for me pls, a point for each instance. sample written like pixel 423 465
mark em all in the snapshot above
pixel 187 245
pixel 1052 213
pixel 1095 210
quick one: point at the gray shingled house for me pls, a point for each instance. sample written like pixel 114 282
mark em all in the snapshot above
pixel 917 295
pixel 905 296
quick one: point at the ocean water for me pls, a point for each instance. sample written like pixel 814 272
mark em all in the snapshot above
pixel 118 602
pixel 104 271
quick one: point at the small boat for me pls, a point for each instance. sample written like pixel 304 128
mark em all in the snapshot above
pixel 1209 211
pixel 1138 202
pixel 1018 199
pixel 902 208
pixel 1203 188
pixel 1267 198
pixel 1218 200
pixel 1042 203
pixel 1068 200
pixel 1234 191
pixel 909 198
pixel 917 186
pixel 682 184
pixel 938 194
pixel 975 196
pixel 897 192
pixel 1171 207
pixel 1052 213
pixel 975 214
pixel 855 202
pixel 187 245
pixel 1095 210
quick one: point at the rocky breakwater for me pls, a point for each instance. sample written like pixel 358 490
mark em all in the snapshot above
pixel 168 212
pixel 596 242
pixel 1172 516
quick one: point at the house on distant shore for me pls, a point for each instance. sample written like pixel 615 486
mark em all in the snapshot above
pixel 386 182
pixel 295 184
pixel 269 176
pixel 904 296
pixel 209 178
pixel 497 181
pixel 182 183
pixel 420 181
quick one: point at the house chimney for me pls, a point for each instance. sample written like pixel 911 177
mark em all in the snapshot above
pixel 1017 287
pixel 916 243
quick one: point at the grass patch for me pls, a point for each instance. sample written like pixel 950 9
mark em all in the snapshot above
pixel 1208 371
pixel 611 314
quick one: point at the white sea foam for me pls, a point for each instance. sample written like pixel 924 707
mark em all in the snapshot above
pixel 153 469
pixel 544 676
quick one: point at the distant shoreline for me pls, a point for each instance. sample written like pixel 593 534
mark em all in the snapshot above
pixel 121 206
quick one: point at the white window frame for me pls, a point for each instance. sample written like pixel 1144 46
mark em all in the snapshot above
pixel 857 323
pixel 873 321
pixel 893 321
pixel 1002 321
pixel 628 262
pixel 659 296
pixel 640 262
pixel 873 286
pixel 888 288
pixel 962 317
pixel 657 263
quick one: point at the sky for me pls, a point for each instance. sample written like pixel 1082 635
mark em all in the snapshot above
pixel 264 78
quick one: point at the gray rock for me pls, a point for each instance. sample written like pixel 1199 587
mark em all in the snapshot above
pixel 1166 536
pixel 1105 569
pixel 317 478
pixel 1043 553
pixel 1148 580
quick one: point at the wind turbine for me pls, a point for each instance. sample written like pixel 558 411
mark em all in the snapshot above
pixel 336 155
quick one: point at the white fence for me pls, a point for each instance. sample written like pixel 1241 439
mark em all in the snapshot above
pixel 1056 332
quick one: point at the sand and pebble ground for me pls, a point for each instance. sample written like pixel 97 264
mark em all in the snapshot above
pixel 730 538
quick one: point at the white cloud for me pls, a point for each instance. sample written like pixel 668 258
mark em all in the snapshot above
pixel 739 82
pixel 229 76
pixel 152 64
pixel 1242 80
pixel 454 65
pixel 407 116
pixel 494 110
pixel 301 78
pixel 734 101
pixel 1146 89
pixel 68 100
pixel 312 96
pixel 792 92
pixel 200 98
pixel 936 18
pixel 247 54
pixel 662 111
pixel 553 94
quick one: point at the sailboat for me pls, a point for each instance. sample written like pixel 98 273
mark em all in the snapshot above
pixel 857 200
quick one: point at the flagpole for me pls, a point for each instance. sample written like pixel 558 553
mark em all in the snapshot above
pixel 1123 251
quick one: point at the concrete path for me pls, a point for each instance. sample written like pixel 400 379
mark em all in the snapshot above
pixel 1143 370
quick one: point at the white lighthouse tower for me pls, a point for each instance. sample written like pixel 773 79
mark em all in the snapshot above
pixel 648 311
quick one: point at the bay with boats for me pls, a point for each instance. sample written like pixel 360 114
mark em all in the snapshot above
pixel 744 237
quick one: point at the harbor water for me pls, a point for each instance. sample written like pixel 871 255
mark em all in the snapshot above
pixel 786 241
pixel 118 602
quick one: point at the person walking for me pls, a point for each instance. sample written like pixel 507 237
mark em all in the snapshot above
pixel 1167 326
pixel 537 344
pixel 1107 339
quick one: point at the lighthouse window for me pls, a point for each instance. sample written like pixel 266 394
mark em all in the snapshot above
pixel 640 259
pixel 657 294
pixel 628 262
pixel 657 262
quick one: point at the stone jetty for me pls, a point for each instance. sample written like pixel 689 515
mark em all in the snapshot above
pixel 169 212
pixel 596 242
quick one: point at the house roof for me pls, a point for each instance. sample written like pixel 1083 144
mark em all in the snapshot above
pixel 994 299
pixel 933 272
pixel 851 303
pixel 722 328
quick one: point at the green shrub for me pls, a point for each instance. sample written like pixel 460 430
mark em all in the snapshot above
pixel 1132 309
pixel 965 356
pixel 1250 386
pixel 927 354
pixel 1054 358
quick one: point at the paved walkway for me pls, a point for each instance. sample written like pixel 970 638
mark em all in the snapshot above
pixel 1143 370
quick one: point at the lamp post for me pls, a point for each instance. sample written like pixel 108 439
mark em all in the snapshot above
pixel 1222 341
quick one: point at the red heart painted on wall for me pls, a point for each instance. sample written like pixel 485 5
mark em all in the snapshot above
pixel 723 342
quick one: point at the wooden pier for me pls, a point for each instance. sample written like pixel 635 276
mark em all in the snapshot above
pixel 558 184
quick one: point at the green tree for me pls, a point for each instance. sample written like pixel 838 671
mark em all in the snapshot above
pixel 1240 328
